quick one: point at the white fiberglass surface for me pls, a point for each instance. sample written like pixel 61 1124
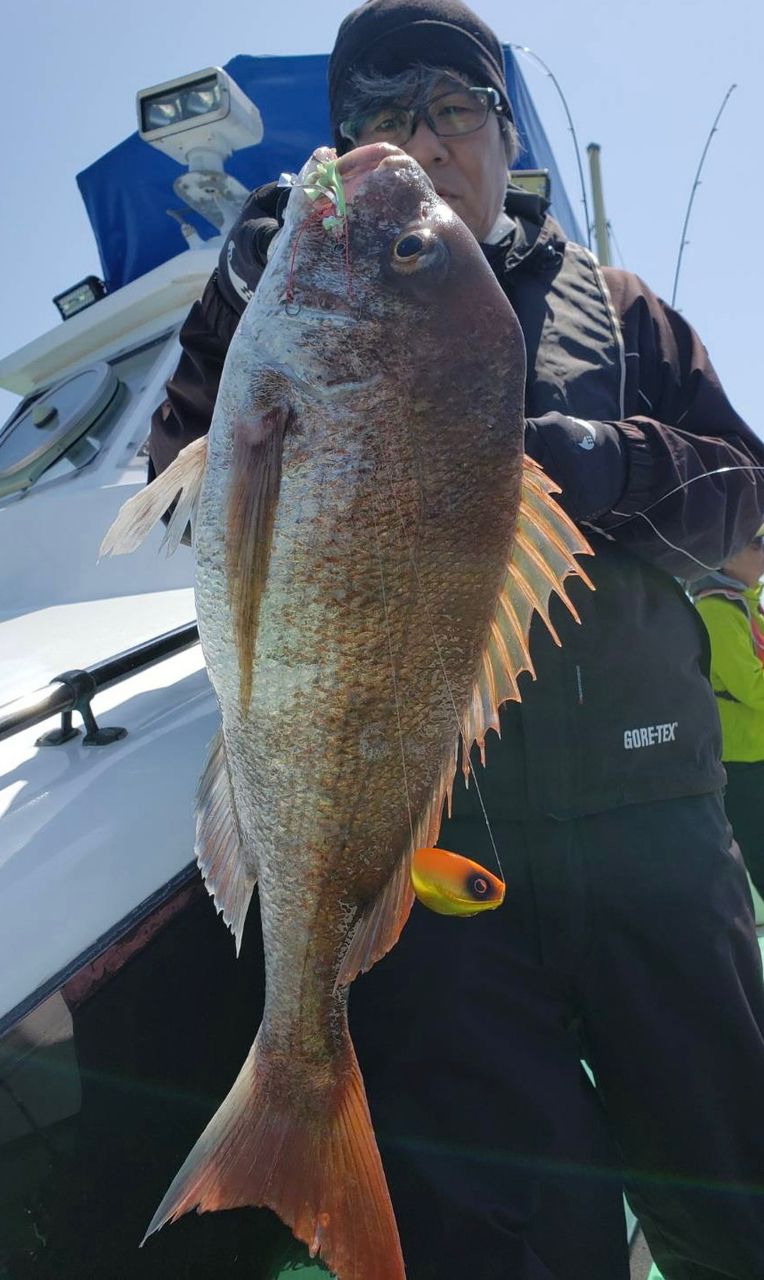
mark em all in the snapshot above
pixel 56 536
pixel 88 833
pixel 56 526
pixel 36 646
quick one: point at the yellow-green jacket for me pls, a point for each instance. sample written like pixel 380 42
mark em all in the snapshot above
pixel 737 672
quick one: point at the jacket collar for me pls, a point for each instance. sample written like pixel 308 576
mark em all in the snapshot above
pixel 719 584
pixel 533 236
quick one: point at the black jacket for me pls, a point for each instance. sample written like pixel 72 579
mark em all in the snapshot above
pixel 624 409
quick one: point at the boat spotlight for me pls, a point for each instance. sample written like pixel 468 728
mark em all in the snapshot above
pixel 198 119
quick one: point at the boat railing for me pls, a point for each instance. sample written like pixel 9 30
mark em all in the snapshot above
pixel 74 690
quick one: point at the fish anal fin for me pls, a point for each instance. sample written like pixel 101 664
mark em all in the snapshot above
pixel 252 501
pixel 218 843
pixel 544 551
pixel 307 1153
pixel 182 480
pixel 379 927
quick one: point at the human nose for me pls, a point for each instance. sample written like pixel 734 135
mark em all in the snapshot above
pixel 426 147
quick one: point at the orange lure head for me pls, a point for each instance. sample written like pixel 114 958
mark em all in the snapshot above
pixel 453 885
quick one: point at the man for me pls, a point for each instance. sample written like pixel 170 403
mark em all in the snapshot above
pixel 627 937
pixel 729 602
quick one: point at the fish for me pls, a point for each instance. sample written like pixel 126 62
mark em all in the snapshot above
pixel 370 548
pixel 452 885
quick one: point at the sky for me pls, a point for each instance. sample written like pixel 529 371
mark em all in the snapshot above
pixel 644 81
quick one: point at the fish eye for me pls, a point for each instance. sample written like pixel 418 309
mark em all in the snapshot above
pixel 416 249
pixel 478 886
pixel 409 246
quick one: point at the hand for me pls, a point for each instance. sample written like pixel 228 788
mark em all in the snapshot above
pixel 269 200
pixel 264 217
pixel 586 459
pixel 246 249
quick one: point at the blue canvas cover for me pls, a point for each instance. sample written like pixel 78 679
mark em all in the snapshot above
pixel 128 191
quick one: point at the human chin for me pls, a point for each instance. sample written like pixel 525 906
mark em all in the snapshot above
pixel 475 219
pixel 462 207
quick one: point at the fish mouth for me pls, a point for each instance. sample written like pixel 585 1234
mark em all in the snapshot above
pixel 355 167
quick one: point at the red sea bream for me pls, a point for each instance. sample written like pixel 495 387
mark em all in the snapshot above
pixel 369 549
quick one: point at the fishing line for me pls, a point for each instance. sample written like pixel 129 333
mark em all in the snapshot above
pixel 462 734
pixel 313 217
pixel 348 270
pixel 718 471
pixel 748 469
pixel 642 515
pixel 392 669
pixel 711 568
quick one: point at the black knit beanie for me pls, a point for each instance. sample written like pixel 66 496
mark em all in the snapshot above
pixel 389 36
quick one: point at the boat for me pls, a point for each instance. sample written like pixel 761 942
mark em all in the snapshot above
pixel 112 959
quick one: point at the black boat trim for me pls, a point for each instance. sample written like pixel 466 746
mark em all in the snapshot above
pixel 108 939
pixel 73 690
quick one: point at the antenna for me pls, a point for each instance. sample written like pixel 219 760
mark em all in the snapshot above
pixel 695 186
pixel 521 48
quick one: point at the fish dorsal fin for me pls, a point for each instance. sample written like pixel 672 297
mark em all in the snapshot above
pixel 182 480
pixel 545 545
pixel 219 845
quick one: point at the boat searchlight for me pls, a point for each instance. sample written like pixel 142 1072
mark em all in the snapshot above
pixel 200 120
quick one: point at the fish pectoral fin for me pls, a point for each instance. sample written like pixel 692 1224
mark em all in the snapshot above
pixel 219 849
pixel 379 927
pixel 253 498
pixel 545 545
pixel 182 480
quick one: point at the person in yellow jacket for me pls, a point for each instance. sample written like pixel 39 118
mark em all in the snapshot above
pixel 730 604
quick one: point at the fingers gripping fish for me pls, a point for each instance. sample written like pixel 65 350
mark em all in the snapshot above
pixel 370 548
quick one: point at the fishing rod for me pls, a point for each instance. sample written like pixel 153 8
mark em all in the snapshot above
pixel 684 241
pixel 521 48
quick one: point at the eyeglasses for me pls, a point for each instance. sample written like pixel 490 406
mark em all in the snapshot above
pixel 449 115
pixel 758 542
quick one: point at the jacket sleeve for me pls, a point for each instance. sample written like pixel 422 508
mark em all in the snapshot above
pixel 734 660
pixel 692 495
pixel 186 412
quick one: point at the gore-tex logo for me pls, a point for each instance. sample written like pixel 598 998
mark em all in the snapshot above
pixel 650 735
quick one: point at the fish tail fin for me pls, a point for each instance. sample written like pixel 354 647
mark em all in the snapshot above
pixel 305 1150
pixel 182 480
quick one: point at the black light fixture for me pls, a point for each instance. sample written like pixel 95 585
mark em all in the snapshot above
pixel 79 296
